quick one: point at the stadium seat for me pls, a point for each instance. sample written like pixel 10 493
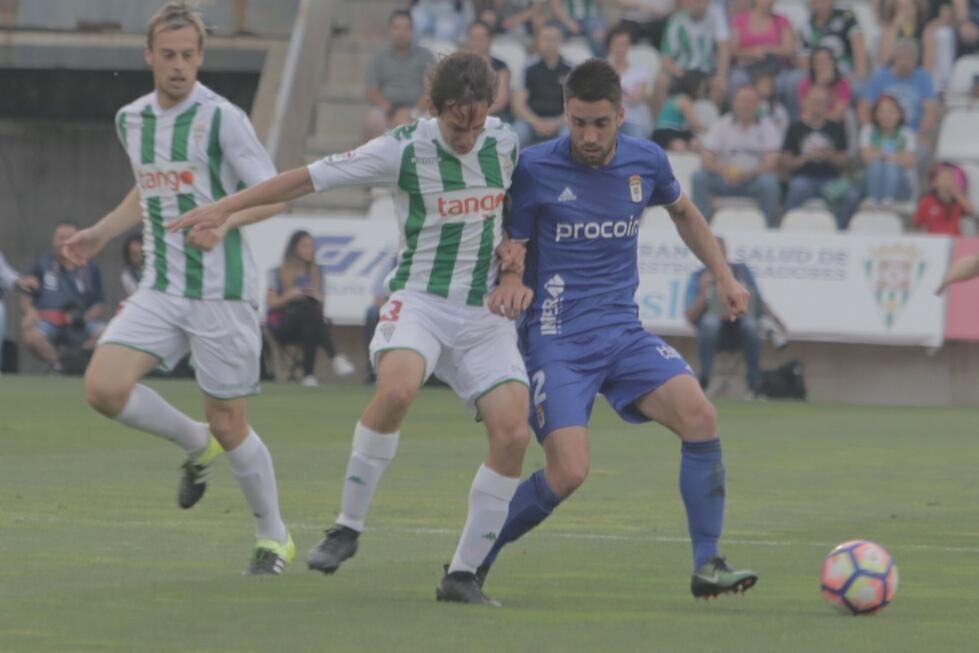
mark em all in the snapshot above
pixel 513 54
pixel 809 220
pixel 796 12
pixel 960 85
pixel 576 50
pixel 684 164
pixel 881 223
pixel 647 56
pixel 957 136
pixel 656 217
pixel 437 47
pixel 738 219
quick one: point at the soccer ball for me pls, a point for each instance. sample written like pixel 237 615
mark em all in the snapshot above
pixel 859 577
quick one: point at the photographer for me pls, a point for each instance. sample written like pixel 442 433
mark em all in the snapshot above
pixel 65 308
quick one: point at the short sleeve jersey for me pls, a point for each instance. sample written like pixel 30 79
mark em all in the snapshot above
pixel 183 157
pixel 582 227
pixel 449 206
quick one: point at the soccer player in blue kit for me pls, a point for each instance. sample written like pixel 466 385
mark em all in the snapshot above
pixel 576 206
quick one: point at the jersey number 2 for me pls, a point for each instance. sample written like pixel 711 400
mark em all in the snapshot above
pixel 539 395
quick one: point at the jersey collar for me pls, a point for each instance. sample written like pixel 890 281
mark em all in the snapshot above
pixel 195 95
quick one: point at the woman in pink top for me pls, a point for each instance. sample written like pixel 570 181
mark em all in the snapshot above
pixel 823 71
pixel 759 37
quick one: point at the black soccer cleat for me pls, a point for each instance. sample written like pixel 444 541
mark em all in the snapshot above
pixel 715 578
pixel 339 544
pixel 482 571
pixel 463 587
pixel 193 483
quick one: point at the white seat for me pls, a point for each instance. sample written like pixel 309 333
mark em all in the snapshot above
pixel 656 217
pixel 646 56
pixel 437 47
pixel 576 50
pixel 707 113
pixel 684 164
pixel 957 136
pixel 881 223
pixel 738 219
pixel 960 84
pixel 805 220
pixel 797 13
pixel 513 54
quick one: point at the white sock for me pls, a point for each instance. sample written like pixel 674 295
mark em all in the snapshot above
pixel 371 454
pixel 489 500
pixel 251 464
pixel 149 412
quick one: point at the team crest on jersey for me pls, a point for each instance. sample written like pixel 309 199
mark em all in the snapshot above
pixel 635 188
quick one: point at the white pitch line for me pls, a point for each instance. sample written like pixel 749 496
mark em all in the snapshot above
pixel 664 539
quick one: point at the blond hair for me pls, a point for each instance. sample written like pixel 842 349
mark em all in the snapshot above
pixel 175 14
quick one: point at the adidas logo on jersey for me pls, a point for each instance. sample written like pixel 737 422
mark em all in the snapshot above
pixel 567 195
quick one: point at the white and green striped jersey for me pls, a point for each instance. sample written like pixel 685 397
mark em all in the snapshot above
pixel 192 154
pixel 449 206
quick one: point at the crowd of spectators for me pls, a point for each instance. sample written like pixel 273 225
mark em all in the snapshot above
pixel 842 119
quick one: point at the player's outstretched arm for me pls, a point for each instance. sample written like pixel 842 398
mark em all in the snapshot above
pixel 206 239
pixel 283 187
pixel 510 297
pixel 696 233
pixel 86 243
pixel 962 270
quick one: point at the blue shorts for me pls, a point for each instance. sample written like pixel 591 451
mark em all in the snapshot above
pixel 622 363
pixel 67 334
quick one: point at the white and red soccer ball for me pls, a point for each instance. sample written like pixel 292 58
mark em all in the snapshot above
pixel 859 577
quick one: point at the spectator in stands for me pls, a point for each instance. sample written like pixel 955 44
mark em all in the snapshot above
pixel 887 148
pixel 636 84
pixel 815 157
pixel 824 71
pixel 66 307
pixel 763 78
pixel 646 18
pixel 9 279
pixel 582 18
pixel 717 332
pixel 912 88
pixel 760 37
pixel 697 38
pixel 966 20
pixel 740 154
pixel 538 105
pixel 396 75
pixel 479 38
pixel 441 20
pixel 295 307
pixel 678 128
pixel 520 18
pixel 903 19
pixel 941 209
pixel 132 263
pixel 837 31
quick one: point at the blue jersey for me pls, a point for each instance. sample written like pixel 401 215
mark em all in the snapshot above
pixel 582 225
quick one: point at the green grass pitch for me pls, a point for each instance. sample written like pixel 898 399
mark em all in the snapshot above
pixel 97 557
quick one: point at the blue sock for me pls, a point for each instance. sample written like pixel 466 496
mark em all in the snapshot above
pixel 702 477
pixel 532 503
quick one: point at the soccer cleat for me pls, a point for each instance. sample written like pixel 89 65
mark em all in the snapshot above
pixel 339 544
pixel 193 481
pixel 482 571
pixel 270 557
pixel 342 366
pixel 463 587
pixel 715 578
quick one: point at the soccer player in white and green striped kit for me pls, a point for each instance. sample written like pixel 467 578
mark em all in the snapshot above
pixel 449 175
pixel 189 147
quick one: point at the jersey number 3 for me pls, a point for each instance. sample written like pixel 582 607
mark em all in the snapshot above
pixel 392 311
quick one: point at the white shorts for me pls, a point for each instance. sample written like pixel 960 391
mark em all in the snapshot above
pixel 223 337
pixel 466 346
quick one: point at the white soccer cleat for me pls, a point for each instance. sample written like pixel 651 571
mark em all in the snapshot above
pixel 342 366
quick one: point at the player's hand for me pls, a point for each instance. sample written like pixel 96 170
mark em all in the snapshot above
pixel 205 239
pixel 28 283
pixel 83 246
pixel 733 296
pixel 511 255
pixel 510 297
pixel 210 216
pixel 942 286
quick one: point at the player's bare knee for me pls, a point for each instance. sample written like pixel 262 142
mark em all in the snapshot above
pixel 396 398
pixel 568 476
pixel 512 437
pixel 698 421
pixel 106 396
